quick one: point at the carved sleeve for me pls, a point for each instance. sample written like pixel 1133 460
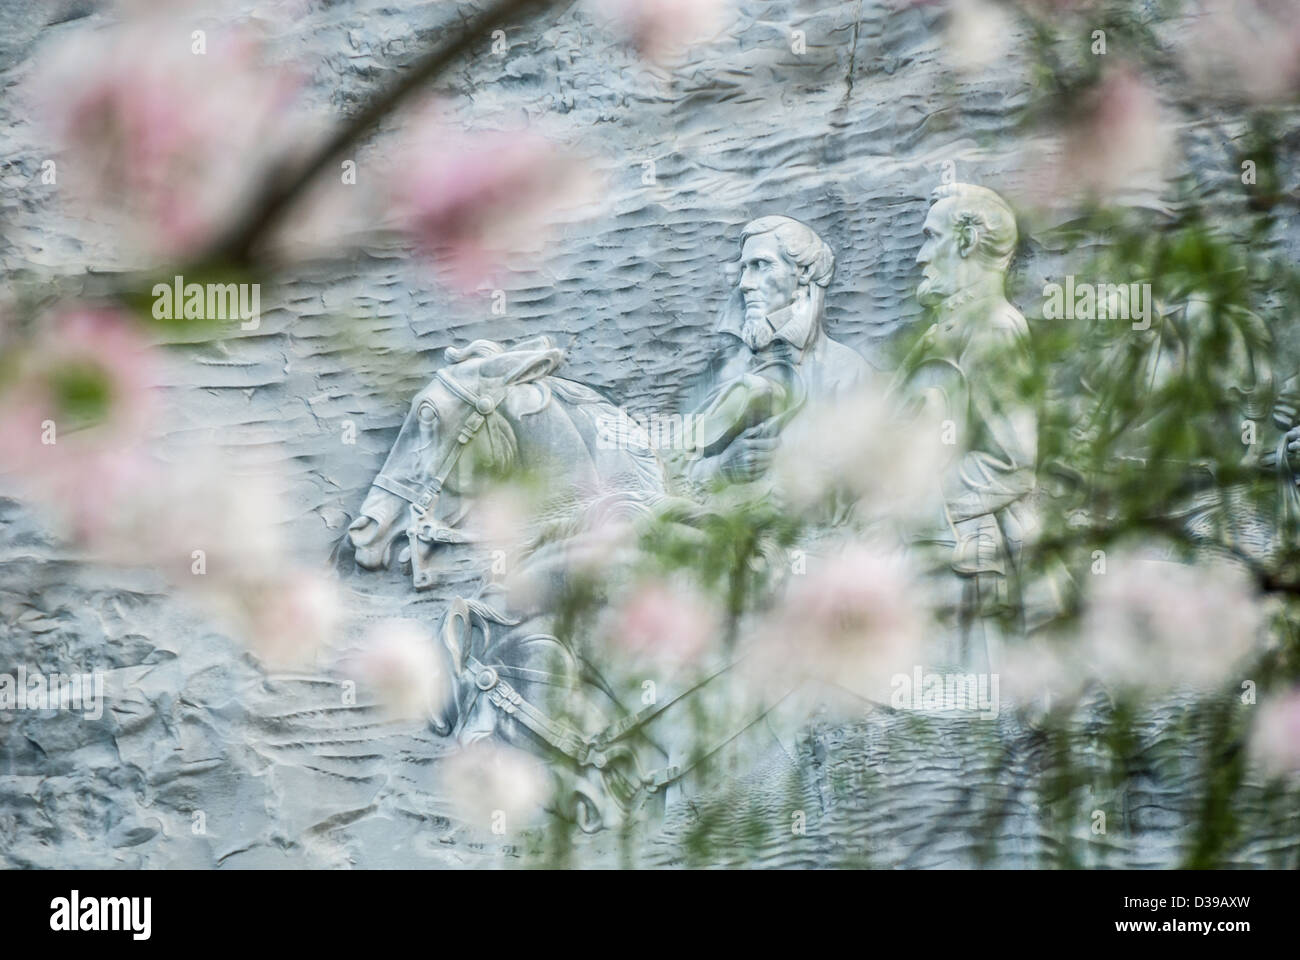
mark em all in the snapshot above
pixel 1000 444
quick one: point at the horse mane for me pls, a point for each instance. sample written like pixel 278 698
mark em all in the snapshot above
pixel 576 393
pixel 479 348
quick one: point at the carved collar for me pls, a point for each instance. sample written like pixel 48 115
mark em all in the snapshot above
pixel 983 289
pixel 796 327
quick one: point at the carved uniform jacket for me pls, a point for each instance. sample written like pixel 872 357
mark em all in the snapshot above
pixel 824 367
pixel 799 365
pixel 970 365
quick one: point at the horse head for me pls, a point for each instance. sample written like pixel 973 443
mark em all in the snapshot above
pixel 456 433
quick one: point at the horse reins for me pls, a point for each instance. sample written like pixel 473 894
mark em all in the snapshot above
pixel 424 498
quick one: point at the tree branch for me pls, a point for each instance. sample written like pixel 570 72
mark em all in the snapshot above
pixel 286 181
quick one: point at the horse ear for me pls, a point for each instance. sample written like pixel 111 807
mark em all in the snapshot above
pixel 522 366
pixel 455 630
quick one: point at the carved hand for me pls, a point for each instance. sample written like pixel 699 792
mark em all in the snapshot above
pixel 750 454
pixel 1293 448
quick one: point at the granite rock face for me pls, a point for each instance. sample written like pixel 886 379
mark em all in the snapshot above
pixel 202 759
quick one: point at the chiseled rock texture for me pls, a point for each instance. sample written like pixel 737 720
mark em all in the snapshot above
pixel 850 137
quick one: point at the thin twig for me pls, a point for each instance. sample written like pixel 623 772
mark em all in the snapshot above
pixel 287 180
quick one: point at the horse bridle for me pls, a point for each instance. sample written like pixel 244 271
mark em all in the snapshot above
pixel 424 498
pixel 602 749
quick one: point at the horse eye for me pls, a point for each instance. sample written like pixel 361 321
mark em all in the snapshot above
pixel 426 413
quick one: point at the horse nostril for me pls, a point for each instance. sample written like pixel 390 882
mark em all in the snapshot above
pixel 359 526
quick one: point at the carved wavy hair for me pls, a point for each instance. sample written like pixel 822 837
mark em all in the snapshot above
pixel 993 220
pixel 799 243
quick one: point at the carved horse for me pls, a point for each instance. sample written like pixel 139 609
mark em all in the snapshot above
pixel 488 412
pixel 520 683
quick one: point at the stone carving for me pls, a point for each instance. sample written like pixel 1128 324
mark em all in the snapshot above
pixel 965 371
pixel 781 357
pixel 1232 520
pixel 287 778
pixel 521 672
pixel 490 412
pixel 518 681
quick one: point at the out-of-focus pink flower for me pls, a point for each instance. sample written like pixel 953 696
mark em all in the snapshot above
pixel 214 527
pixel 662 29
pixel 163 139
pixel 1120 143
pixel 502 518
pixel 1153 624
pixel 288 617
pixel 399 661
pixel 471 200
pixel 854 619
pixel 494 788
pixel 75 405
pixel 839 449
pixel 977 34
pixel 667 623
pixel 1276 740
pixel 1114 150
pixel 1251 47
pixel 606 544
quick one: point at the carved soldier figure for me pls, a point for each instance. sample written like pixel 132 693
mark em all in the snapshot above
pixel 966 372
pixel 780 357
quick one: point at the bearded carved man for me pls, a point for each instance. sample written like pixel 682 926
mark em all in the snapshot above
pixel 967 372
pixel 780 359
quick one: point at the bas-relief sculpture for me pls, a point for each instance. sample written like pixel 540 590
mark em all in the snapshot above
pixel 836 157
pixel 965 371
pixel 1223 520
pixel 781 358
pixel 492 409
pixel 513 672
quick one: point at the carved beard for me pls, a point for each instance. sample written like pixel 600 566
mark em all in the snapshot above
pixel 757 333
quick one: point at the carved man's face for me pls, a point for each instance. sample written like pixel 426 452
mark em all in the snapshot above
pixel 947 263
pixel 768 280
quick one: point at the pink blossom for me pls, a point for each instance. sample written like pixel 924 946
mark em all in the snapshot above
pixel 398 661
pixel 503 518
pixel 855 618
pixel 161 139
pixel 1151 624
pixel 666 622
pixel 494 788
pixel 1120 142
pixel 290 616
pixel 77 406
pixel 835 451
pixel 470 200
pixel 215 529
pixel 1276 740
pixel 977 33
pixel 82 363
pixel 1115 148
pixel 1250 47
